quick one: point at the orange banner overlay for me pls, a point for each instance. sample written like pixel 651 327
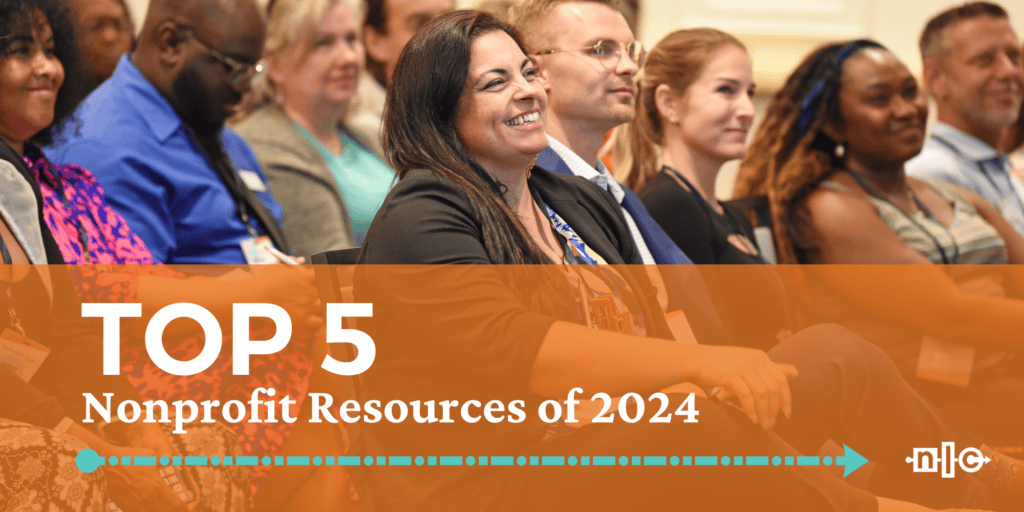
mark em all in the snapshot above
pixel 555 387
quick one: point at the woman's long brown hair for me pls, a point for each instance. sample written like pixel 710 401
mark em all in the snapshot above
pixel 677 60
pixel 419 133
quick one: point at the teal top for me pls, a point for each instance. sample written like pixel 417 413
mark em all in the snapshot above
pixel 363 179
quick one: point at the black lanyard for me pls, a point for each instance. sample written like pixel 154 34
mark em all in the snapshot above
pixel 5 296
pixel 232 181
pixel 248 206
pixel 58 188
pixel 686 183
pixel 871 189
pixel 33 154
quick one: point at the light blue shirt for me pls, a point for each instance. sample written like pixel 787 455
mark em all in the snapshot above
pixel 953 156
pixel 363 179
pixel 156 177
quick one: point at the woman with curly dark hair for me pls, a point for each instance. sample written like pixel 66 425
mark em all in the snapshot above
pixel 39 88
pixel 19 21
pixel 834 143
pixel 40 434
pixel 830 158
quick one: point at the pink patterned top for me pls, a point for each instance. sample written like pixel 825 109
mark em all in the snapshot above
pixel 109 240
pixel 83 215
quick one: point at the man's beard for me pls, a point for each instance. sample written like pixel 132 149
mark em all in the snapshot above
pixel 992 118
pixel 196 108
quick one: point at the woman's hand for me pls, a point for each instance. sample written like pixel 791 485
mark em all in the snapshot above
pixel 749 377
pixel 152 439
pixel 140 488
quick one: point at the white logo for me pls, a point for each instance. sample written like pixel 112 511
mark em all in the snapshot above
pixel 927 460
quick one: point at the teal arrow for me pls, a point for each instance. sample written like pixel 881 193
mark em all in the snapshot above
pixel 88 461
pixel 851 462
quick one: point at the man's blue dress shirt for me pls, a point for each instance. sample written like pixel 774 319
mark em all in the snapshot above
pixel 156 176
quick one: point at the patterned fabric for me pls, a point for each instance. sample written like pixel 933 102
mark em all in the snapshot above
pixel 287 371
pixel 576 250
pixel 602 297
pixel 604 179
pixel 38 472
pixel 969 237
pixel 108 236
pixel 221 488
pixel 111 242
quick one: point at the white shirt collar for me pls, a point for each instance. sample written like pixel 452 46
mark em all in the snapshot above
pixel 581 168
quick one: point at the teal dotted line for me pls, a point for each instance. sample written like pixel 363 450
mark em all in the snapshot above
pixel 88 461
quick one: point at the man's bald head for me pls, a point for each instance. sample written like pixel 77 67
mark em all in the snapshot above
pixel 204 15
pixel 199 54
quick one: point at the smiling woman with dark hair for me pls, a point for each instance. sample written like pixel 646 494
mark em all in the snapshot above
pixel 464 121
pixel 40 433
pixel 830 158
pixel 15 47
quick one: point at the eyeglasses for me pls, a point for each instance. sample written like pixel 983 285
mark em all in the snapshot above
pixel 239 73
pixel 609 52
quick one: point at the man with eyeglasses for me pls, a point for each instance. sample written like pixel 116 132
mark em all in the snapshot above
pixel 586 59
pixel 154 136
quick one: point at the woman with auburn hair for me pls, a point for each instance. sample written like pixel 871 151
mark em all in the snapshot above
pixel 328 183
pixel 695 102
pixel 830 158
pixel 464 121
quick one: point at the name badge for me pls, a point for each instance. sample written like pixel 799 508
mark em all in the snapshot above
pixel 945 362
pixel 261 251
pixel 21 355
pixel 252 180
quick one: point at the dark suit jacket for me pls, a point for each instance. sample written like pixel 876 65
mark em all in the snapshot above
pixel 446 330
pixel 434 224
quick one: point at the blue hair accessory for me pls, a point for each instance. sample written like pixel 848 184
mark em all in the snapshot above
pixel 812 103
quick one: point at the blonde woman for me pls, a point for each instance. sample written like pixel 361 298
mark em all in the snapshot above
pixel 328 183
